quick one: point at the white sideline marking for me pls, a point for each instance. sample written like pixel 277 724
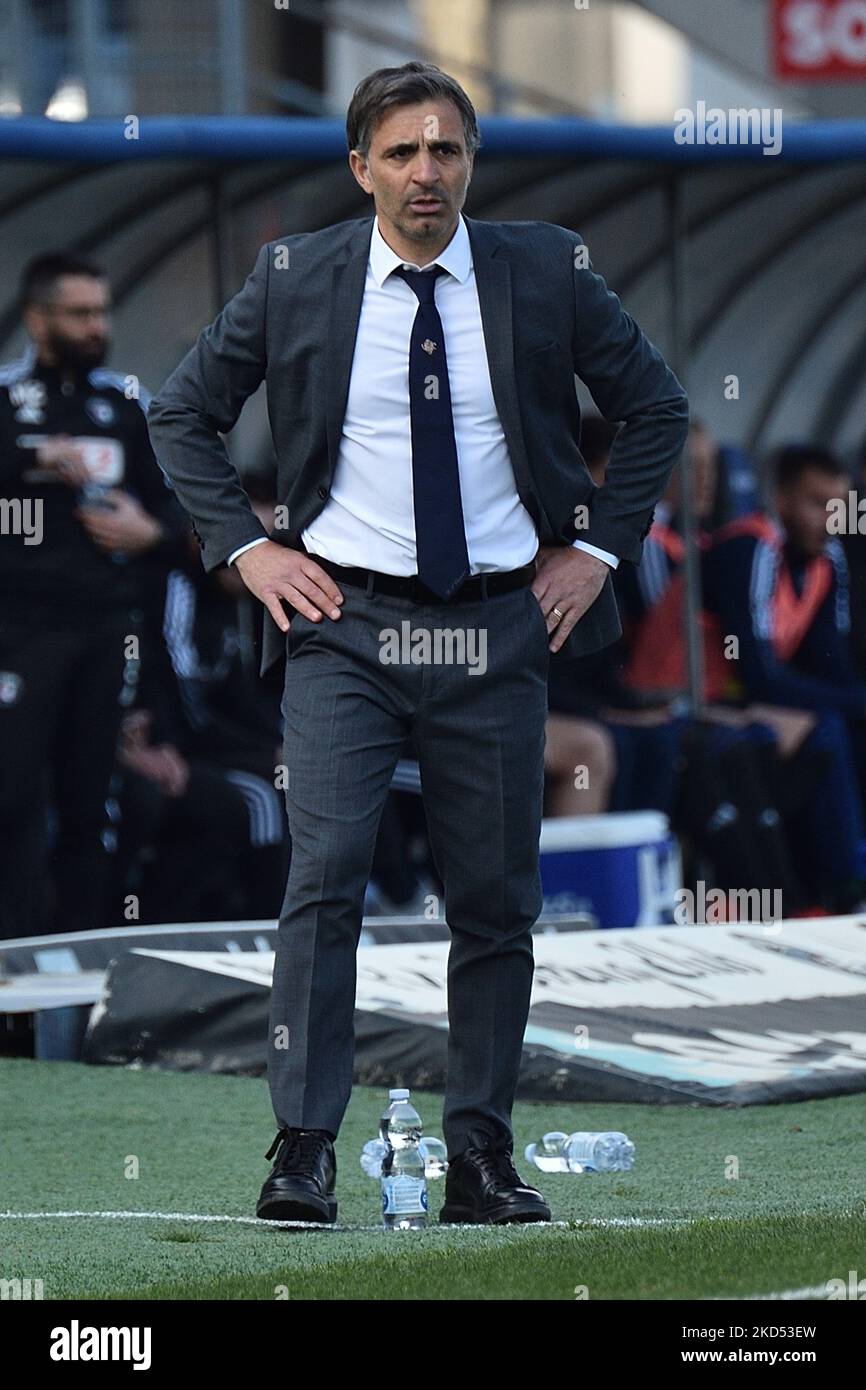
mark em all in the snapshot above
pixel 602 1221
pixel 814 1291
pixel 810 1291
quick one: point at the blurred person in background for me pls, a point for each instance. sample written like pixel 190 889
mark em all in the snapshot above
pixel 75 453
pixel 607 748
pixel 196 841
pixel 741 772
pixel 202 826
pixel 779 581
pixel 640 588
pixel 778 643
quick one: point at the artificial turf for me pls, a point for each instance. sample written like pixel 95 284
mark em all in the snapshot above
pixel 735 1202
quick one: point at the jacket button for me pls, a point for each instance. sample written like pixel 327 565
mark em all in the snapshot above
pixel 322 491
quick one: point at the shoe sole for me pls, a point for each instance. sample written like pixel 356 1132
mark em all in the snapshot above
pixel 296 1209
pixel 498 1216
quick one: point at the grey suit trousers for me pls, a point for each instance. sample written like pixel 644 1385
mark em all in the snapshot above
pixel 479 735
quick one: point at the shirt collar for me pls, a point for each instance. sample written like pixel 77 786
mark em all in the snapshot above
pixel 456 257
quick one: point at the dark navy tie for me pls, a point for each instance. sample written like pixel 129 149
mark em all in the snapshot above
pixel 440 540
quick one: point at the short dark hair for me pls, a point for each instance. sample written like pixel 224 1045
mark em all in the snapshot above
pixel 793 460
pixel 40 275
pixel 403 86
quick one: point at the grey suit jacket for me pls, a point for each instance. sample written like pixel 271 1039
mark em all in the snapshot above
pixel 546 315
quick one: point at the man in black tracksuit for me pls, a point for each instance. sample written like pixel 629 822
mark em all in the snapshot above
pixel 88 525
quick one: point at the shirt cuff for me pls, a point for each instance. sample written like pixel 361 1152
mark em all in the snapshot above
pixel 249 545
pixel 612 560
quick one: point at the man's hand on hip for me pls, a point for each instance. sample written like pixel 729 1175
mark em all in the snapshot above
pixel 273 572
pixel 567 581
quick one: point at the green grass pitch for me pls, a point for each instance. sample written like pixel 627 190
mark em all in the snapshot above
pixel 80 1139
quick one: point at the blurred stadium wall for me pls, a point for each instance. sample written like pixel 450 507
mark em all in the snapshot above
pixel 626 60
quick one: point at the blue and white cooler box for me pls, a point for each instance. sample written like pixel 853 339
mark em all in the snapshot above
pixel 623 868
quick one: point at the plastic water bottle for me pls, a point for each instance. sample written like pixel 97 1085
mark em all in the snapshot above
pixel 610 1151
pixel 435 1153
pixel 96 495
pixel 371 1157
pixel 549 1154
pixel 433 1150
pixel 404 1184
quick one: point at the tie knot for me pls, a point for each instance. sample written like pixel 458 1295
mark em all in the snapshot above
pixel 422 282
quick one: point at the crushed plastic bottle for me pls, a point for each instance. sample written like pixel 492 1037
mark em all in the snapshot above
pixel 548 1155
pixel 585 1151
pixel 433 1150
pixel 435 1153
pixel 403 1180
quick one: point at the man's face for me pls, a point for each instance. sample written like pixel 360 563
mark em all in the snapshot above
pixel 72 328
pixel 802 508
pixel 417 170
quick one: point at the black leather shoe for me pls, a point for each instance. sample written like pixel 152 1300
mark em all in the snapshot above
pixel 482 1185
pixel 301 1184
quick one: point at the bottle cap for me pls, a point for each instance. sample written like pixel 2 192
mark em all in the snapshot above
pixel 399 1095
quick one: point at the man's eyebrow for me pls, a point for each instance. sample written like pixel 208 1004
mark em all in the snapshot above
pixel 413 145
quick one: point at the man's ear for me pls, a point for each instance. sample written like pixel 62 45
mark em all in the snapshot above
pixel 360 169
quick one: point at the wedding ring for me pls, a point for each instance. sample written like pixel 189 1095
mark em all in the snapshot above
pixel 559 616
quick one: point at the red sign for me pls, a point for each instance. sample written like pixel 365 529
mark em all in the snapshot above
pixel 814 40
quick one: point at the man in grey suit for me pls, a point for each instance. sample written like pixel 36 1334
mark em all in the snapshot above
pixel 442 536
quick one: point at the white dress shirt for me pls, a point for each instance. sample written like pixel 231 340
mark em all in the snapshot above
pixel 369 518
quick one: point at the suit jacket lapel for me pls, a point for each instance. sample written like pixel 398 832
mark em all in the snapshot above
pixel 344 312
pixel 493 282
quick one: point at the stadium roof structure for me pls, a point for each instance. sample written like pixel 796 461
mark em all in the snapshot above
pixel 736 262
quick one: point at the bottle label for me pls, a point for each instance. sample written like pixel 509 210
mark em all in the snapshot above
pixel 403 1196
